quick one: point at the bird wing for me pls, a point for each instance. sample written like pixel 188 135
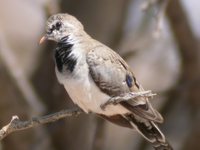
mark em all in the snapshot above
pixel 114 77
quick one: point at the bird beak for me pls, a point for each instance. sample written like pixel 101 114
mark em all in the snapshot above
pixel 43 39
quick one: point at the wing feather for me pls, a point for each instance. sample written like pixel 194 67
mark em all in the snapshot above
pixel 114 77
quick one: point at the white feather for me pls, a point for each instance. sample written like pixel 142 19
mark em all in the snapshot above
pixel 83 91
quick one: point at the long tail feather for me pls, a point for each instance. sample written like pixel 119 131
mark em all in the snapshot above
pixel 150 131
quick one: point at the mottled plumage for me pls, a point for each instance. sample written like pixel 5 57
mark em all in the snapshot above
pixel 92 73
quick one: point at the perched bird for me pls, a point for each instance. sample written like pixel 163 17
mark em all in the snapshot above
pixel 92 73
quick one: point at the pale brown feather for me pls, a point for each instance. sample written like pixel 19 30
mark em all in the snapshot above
pixel 109 70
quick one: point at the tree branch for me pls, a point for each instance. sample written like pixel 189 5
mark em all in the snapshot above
pixel 17 125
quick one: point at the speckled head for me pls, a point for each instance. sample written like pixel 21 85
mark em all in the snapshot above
pixel 59 26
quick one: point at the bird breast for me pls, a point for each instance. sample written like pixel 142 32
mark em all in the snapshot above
pixel 85 93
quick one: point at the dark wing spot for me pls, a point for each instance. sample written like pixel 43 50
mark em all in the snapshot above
pixel 129 81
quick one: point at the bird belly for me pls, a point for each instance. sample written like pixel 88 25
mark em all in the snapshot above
pixel 84 92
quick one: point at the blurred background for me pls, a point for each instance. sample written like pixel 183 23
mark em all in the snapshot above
pixel 159 41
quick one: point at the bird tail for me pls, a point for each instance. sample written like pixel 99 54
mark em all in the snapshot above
pixel 150 131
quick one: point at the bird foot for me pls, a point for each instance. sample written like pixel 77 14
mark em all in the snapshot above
pixel 126 97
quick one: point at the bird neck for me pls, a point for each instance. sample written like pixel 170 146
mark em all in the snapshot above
pixel 77 38
pixel 68 50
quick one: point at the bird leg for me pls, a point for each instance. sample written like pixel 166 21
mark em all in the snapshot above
pixel 127 97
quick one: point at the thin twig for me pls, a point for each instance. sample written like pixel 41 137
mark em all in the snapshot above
pixel 17 125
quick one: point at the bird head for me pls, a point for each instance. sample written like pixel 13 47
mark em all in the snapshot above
pixel 61 25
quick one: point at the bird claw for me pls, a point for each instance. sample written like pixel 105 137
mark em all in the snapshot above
pixel 126 97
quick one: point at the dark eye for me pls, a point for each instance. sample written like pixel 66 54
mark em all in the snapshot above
pixel 58 25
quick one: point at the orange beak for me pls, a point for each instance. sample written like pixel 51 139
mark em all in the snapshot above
pixel 43 39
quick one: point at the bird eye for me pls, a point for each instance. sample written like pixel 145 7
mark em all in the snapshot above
pixel 58 25
pixel 50 31
pixel 54 27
